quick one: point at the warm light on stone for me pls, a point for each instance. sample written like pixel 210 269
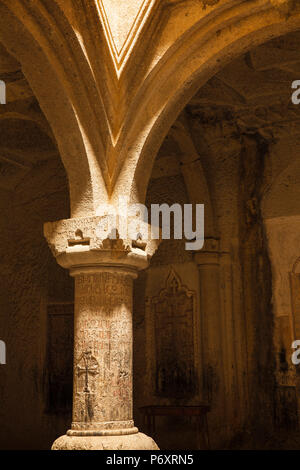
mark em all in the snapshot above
pixel 163 343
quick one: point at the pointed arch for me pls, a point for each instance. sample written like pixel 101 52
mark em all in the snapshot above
pixel 39 37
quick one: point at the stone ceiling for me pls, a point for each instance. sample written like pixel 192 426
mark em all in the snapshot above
pixel 26 137
pixel 252 97
pixel 254 92
pixel 249 97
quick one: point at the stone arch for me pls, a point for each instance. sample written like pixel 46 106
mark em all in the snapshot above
pixel 35 37
pixel 188 64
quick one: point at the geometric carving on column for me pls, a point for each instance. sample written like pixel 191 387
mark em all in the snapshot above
pixel 173 315
pixel 84 238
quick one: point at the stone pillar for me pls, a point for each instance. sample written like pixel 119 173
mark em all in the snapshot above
pixel 104 271
pixel 208 262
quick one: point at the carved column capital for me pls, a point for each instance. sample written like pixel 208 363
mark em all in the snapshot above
pixel 84 244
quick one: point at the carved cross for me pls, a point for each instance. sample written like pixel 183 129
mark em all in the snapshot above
pixel 87 365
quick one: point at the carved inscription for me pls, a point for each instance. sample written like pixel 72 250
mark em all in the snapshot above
pixel 103 348
pixel 173 314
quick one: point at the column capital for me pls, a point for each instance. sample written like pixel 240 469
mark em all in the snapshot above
pixel 87 245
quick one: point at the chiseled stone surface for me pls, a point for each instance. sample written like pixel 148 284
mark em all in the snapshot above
pixel 136 441
pixel 103 352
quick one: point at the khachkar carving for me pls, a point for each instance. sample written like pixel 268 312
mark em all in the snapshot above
pixel 173 313
pixel 87 366
pixel 104 271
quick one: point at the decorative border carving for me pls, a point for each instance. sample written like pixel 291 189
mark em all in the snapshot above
pixel 172 280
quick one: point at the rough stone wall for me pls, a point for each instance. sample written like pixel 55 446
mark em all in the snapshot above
pixel 30 279
pixel 280 209
pixel 257 288
pixel 235 160
pixel 245 127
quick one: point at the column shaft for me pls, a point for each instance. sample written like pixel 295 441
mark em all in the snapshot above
pixel 103 353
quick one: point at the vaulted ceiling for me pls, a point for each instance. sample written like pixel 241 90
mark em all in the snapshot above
pixel 250 97
pixel 25 135
pixel 255 90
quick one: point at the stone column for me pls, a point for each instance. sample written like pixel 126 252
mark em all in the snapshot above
pixel 208 262
pixel 104 271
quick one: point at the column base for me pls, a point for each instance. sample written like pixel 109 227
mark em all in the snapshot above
pixel 138 441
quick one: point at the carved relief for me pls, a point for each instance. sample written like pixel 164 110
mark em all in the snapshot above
pixel 87 369
pixel 173 313
pixel 87 366
pixel 103 344
pixel 94 234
